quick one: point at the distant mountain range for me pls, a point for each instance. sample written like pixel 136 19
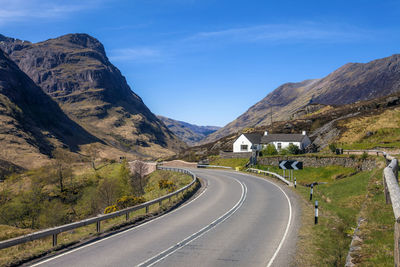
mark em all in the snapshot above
pixel 189 133
pixel 351 83
pixel 81 95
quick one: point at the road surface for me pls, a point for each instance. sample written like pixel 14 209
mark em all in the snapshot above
pixel 239 220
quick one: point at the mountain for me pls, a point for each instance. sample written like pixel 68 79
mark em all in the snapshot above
pixel 189 133
pixel 31 123
pixel 74 70
pixel 350 83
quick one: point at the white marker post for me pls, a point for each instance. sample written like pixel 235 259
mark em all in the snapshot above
pixel 316 211
pixel 311 191
pixel 294 182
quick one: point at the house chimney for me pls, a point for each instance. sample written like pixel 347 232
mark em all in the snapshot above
pixel 265 133
pixel 303 133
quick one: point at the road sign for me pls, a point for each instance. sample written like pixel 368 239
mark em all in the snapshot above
pixel 290 165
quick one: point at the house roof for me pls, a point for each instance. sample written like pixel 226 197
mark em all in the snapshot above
pixel 254 138
pixel 266 139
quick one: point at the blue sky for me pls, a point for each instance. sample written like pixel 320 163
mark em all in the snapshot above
pixel 207 61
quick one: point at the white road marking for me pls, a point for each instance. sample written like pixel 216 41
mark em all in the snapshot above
pixel 164 254
pixel 289 220
pixel 120 233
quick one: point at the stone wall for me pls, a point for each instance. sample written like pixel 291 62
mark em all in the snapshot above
pixel 363 165
pixel 233 155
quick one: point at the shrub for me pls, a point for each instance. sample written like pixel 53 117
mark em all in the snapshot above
pixel 167 184
pixel 110 209
pixel 364 155
pixel 269 150
pixel 332 147
pixel 284 151
pixel 129 201
pixel 293 149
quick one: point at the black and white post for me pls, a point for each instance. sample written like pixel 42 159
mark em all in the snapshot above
pixel 316 211
pixel 311 191
pixel 295 182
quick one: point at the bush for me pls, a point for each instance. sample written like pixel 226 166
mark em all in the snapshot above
pixel 269 150
pixel 364 155
pixel 332 147
pixel 293 149
pixel 129 201
pixel 110 209
pixel 167 184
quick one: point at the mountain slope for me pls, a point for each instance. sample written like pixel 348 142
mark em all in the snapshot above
pixel 189 133
pixel 31 123
pixel 75 71
pixel 351 83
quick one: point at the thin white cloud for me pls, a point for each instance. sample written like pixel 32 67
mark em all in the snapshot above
pixel 23 10
pixel 136 54
pixel 299 32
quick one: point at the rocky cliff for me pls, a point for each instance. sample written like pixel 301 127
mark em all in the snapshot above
pixel 75 71
pixel 31 123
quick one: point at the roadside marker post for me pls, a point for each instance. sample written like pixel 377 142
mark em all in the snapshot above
pixel 295 182
pixel 316 212
pixel 311 191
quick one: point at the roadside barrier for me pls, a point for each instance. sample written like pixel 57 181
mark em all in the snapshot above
pixel 270 173
pixel 392 196
pixel 97 220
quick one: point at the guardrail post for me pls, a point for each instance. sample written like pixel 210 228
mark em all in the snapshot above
pixel 127 216
pixel 387 195
pixel 98 228
pixel 396 244
pixel 54 240
pixel 147 209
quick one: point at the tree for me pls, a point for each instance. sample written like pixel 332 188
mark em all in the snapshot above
pixel 108 191
pixel 62 164
pixel 93 151
pixel 140 170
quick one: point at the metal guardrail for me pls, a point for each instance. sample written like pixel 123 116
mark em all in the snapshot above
pixel 67 227
pixel 271 173
pixel 213 166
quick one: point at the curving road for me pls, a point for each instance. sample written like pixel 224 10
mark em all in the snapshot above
pixel 239 220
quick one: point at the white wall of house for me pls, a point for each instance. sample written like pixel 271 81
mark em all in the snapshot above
pixel 242 144
pixel 282 145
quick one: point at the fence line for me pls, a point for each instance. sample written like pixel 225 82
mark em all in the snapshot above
pixel 67 227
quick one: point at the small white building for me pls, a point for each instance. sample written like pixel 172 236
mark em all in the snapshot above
pixel 246 142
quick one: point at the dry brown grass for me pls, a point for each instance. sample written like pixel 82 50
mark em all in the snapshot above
pixel 358 127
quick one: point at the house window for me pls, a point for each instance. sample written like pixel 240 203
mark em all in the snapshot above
pixel 243 147
pixel 279 145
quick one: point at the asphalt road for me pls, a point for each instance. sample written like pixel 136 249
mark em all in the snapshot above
pixel 239 220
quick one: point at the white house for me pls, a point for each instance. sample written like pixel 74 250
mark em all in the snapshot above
pixel 282 141
pixel 245 142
